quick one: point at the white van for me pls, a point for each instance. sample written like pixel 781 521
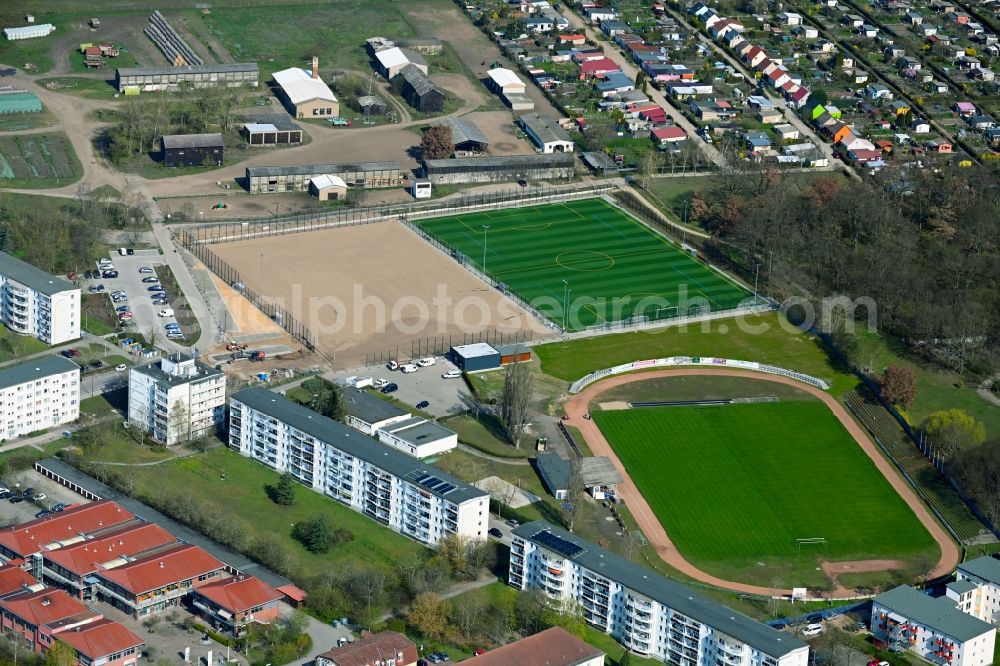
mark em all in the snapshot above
pixel 392 365
pixel 814 629
pixel 407 368
pixel 426 362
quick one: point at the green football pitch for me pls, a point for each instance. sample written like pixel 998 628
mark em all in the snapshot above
pixel 736 486
pixel 588 255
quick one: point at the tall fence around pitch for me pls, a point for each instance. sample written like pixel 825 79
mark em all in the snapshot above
pixel 217 265
pixel 439 345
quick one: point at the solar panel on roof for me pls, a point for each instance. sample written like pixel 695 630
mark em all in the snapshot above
pixel 557 544
pixel 446 488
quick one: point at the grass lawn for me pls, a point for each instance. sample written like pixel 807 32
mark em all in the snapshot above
pixel 82 86
pixel 775 342
pixel 667 389
pixel 13 345
pixel 116 444
pixel 15 122
pixel 615 268
pixel 753 471
pixel 242 495
pixel 98 314
pixel 486 434
pixel 486 385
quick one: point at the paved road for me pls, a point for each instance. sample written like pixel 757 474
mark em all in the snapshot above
pixel 629 68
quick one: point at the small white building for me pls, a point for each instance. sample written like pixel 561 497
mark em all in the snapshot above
pixel 504 81
pixel 367 413
pixel 328 187
pixel 545 133
pixel 977 590
pixel 390 62
pixel 38 394
pixel 418 437
pixel 34 303
pixel 933 628
pixel 176 399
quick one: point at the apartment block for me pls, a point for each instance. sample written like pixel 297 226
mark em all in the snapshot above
pixel 372 478
pixel 176 399
pixel 644 611
pixel 38 617
pixel 933 628
pixel 103 643
pixel 34 303
pixel 235 603
pixel 977 588
pixel 39 394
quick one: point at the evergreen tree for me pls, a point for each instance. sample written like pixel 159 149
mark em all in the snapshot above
pixel 284 492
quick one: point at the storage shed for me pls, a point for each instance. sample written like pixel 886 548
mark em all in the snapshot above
pixel 419 91
pixel 372 105
pixel 476 357
pixel 465 134
pixel 272 132
pixel 514 353
pixel 193 149
pixel 328 187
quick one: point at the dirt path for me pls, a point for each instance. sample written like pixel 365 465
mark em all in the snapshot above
pixel 576 408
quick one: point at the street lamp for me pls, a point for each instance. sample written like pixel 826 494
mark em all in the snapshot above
pixel 756 274
pixel 565 303
pixel 485 228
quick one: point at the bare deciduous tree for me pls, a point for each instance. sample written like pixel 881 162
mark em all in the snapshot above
pixel 515 401
pixel 574 494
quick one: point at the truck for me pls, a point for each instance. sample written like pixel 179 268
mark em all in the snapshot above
pixel 359 382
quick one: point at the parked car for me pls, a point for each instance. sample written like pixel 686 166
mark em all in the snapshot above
pixel 43 513
pixel 6 494
pixel 390 388
pixel 16 499
pixel 392 365
pixel 145 269
pixel 166 312
pixel 109 274
pixel 150 279
pixel 58 507
pixel 121 367
pixel 813 629
pixel 379 383
pixel 39 497
pixel 155 287
pixel 423 404
pixel 426 362
pixel 407 368
pixel 70 353
pixel 511 523
pixel 94 288
pixel 96 364
pixel 451 374
pixel 495 533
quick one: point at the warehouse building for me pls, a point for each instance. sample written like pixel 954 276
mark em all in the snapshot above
pixel 476 357
pixel 646 612
pixel 467 137
pixel 38 394
pixel 419 91
pixel 297 178
pixel 34 303
pixel 19 101
pixel 547 134
pixel 499 169
pixel 193 150
pixel 511 89
pixel 199 76
pixel 390 62
pixel 271 130
pixel 304 94
pixel 372 478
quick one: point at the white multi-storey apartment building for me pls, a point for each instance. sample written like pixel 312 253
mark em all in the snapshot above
pixel 34 303
pixel 38 394
pixel 372 478
pixel 977 590
pixel 176 399
pixel 644 611
pixel 934 628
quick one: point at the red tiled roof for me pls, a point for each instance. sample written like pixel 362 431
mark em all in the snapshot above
pixel 863 155
pixel 571 38
pixel 88 556
pixel 383 645
pixel 552 647
pixel 599 65
pixel 151 573
pixel 294 593
pixel 13 579
pixel 669 133
pixel 44 607
pixel 100 639
pixel 32 537
pixel 239 594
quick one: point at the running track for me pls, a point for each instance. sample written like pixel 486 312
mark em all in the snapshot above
pixel 576 408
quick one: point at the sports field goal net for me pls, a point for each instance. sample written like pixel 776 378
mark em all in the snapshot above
pixel 810 542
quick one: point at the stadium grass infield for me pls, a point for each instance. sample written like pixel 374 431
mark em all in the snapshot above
pixel 614 266
pixel 736 485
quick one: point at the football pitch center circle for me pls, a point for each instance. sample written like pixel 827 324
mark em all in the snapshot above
pixel 585 261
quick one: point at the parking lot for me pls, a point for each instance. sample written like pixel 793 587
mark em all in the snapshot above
pixel 446 396
pixel 139 297
pixel 21 512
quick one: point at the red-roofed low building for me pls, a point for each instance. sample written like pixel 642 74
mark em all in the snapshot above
pixel 153 583
pixel 576 39
pixel 59 529
pixel 372 649
pixel 664 136
pixel 598 67
pixel 14 580
pixel 38 617
pixel 72 567
pixel 552 647
pixel 103 642
pixel 234 603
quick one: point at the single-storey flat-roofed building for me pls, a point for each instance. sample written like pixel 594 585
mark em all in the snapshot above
pixel 390 62
pixel 328 188
pixel 475 357
pixel 419 91
pixel 305 94
pixel 465 134
pixel 499 169
pixel 199 76
pixel 548 135
pixel 517 352
pixel 193 150
pixel 418 437
pixel 296 178
pixel 597 473
pixel 272 130
pixel 366 413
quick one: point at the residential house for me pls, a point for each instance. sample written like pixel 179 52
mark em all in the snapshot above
pixel 786 132
pixel 233 604
pixel 38 617
pixel 668 136
pixel 385 648
pixel 757 140
pixel 877 91
pixel 790 18
pixel 920 126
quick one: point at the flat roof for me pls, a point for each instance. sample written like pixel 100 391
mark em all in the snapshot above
pixel 35 369
pixel 985 567
pixel 419 431
pixel 318 169
pixel 962 586
pixel 369 408
pixel 280 121
pixel 359 445
pixel 513 161
pixel 555 468
pixel 189 69
pixel 599 471
pixel 475 350
pixel 544 129
pixel 938 613
pixel 259 127
pixel 154 371
pixel 31 276
pixel 668 592
pixel 172 141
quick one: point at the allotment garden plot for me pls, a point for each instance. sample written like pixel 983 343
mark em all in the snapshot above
pixel 763 492
pixel 597 260
pixel 38 160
